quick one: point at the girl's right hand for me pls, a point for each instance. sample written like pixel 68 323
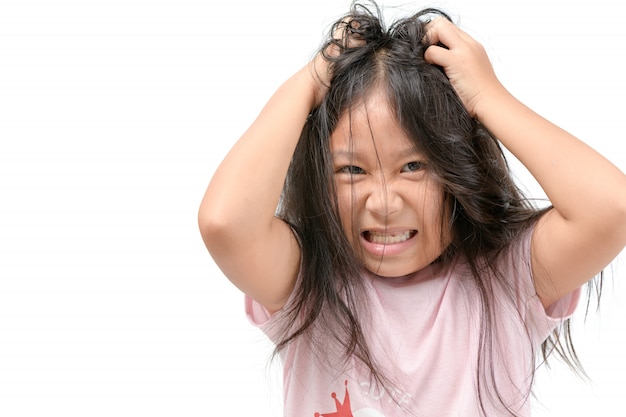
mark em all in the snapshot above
pixel 256 250
pixel 320 68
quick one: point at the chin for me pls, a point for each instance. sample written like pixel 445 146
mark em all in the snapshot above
pixel 391 272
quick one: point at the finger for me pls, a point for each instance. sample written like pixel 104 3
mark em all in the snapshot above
pixel 438 55
pixel 340 29
pixel 442 31
pixel 346 33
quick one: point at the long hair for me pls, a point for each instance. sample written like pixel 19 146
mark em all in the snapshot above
pixel 487 210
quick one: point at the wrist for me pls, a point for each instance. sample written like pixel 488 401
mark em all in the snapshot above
pixel 490 102
pixel 308 85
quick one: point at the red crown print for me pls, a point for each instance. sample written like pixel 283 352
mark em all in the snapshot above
pixel 343 410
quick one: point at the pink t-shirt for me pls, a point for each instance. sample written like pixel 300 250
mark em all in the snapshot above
pixel 425 331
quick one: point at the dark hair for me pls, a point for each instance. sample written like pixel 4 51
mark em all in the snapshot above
pixel 487 209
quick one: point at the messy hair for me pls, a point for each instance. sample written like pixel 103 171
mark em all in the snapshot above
pixel 487 210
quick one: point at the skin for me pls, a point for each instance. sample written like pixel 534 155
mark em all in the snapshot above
pixel 575 240
pixel 385 190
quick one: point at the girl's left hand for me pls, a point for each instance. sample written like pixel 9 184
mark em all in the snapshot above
pixel 465 62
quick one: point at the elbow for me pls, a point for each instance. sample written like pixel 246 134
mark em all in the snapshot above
pixel 223 228
pixel 206 227
pixel 214 227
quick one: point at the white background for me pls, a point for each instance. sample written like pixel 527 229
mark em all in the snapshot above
pixel 113 116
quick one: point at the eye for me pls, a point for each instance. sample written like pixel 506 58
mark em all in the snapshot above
pixel 413 166
pixel 351 170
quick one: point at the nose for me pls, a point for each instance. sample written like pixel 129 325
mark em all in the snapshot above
pixel 383 200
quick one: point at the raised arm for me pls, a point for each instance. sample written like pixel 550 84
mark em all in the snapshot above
pixel 255 250
pixel 586 229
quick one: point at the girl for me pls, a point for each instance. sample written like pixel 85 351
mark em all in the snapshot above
pixel 382 243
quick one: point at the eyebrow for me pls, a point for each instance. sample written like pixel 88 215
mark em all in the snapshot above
pixel 345 154
pixel 352 155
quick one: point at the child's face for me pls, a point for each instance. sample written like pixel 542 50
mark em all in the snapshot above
pixel 390 205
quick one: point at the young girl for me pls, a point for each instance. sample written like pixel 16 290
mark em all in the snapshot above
pixel 370 218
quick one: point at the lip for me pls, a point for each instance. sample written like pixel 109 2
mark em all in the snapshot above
pixel 388 249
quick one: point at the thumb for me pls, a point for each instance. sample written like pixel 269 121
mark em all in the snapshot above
pixel 437 55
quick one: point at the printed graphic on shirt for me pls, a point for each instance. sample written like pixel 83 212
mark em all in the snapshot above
pixel 344 409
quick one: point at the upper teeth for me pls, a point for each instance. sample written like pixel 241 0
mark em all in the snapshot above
pixel 386 239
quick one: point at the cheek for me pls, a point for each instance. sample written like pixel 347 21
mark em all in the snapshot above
pixel 432 198
pixel 439 220
pixel 346 200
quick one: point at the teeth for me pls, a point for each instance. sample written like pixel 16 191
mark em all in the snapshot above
pixel 385 239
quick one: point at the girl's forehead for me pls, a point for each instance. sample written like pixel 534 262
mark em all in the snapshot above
pixel 377 98
pixel 368 125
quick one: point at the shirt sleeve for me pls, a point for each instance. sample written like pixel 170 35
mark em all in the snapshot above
pixel 260 317
pixel 256 313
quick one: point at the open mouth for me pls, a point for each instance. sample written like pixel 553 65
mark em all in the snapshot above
pixel 388 238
